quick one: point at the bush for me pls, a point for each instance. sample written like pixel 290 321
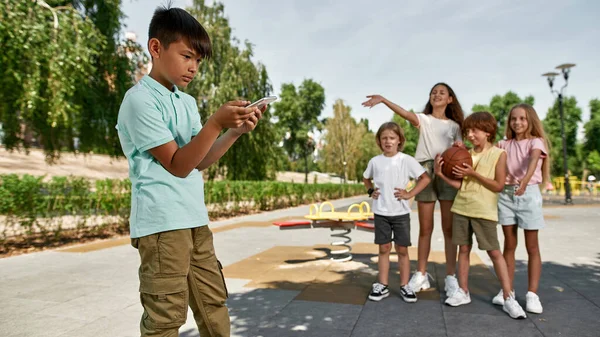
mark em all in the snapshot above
pixel 30 201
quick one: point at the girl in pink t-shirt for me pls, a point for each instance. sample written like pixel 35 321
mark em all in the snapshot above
pixel 520 203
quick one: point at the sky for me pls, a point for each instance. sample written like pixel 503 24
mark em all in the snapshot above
pixel 400 49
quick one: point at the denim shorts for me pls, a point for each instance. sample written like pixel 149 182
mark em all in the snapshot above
pixel 524 210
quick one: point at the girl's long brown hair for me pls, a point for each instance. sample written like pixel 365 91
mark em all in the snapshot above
pixel 535 129
pixel 453 111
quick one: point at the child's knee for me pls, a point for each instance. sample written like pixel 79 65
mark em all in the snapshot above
pixel 402 251
pixel 510 245
pixel 465 249
pixel 532 249
pixel 385 248
pixel 494 254
pixel 425 232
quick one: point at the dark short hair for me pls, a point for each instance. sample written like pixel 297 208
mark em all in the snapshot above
pixel 393 126
pixel 483 121
pixel 169 25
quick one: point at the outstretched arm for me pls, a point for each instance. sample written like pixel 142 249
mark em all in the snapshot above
pixel 409 116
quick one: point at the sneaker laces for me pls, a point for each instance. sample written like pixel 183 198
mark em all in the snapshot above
pixel 378 287
pixel 513 305
pixel 408 290
pixel 422 275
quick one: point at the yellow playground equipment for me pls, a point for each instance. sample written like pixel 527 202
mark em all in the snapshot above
pixel 317 212
pixel 339 221
pixel 578 187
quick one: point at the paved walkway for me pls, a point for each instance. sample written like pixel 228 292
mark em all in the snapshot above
pixel 281 283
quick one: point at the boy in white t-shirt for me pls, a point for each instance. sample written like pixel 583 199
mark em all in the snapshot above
pixel 390 173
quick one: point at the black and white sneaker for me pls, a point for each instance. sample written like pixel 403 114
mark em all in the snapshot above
pixel 379 292
pixel 408 295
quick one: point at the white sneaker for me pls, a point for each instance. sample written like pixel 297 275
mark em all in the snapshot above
pixel 513 308
pixel 533 303
pixel 419 281
pixel 458 298
pixel 499 299
pixel 451 285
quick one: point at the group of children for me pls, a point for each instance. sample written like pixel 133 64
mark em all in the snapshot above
pixel 502 186
pixel 166 146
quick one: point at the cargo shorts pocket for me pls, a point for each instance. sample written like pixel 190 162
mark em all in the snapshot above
pixel 165 301
pixel 223 278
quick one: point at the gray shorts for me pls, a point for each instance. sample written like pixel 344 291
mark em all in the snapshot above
pixel 524 210
pixel 437 189
pixel 463 228
pixel 398 225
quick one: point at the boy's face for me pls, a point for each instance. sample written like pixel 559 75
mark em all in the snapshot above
pixel 388 141
pixel 477 137
pixel 176 65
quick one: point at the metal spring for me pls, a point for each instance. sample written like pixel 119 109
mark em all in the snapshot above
pixel 341 255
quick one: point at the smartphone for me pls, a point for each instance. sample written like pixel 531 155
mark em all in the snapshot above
pixel 263 101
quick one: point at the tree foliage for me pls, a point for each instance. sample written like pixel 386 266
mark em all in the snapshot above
pixel 572 116
pixel 48 52
pixel 298 114
pixel 231 74
pixel 411 134
pixel 344 142
pixel 500 106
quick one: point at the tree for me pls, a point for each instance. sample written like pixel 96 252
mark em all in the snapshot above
pixel 500 106
pixel 298 117
pixel 47 54
pixel 231 74
pixel 593 162
pixel 592 129
pixel 572 116
pixel 343 138
pixel 411 134
pixel 367 149
pixel 116 65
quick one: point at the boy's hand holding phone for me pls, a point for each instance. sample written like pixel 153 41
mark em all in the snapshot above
pixel 233 114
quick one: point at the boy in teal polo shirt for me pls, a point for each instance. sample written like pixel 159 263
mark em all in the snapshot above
pixel 167 147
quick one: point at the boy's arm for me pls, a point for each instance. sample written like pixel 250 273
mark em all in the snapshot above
pixel 180 161
pixel 368 183
pixel 496 184
pixel 226 141
pixel 221 145
pixel 422 181
pixel 438 172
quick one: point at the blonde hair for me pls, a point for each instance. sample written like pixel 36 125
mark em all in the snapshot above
pixel 535 129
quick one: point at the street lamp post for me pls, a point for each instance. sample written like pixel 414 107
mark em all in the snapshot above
pixel 565 69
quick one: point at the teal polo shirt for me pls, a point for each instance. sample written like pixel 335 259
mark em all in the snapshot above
pixel 151 115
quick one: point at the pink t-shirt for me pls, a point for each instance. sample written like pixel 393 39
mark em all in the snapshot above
pixel 517 160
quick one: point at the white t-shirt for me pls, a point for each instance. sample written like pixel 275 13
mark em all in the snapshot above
pixel 435 136
pixel 389 173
